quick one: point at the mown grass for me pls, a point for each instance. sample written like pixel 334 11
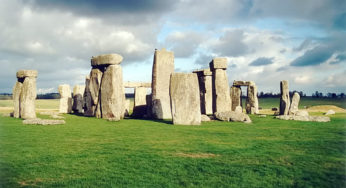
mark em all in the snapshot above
pixel 90 152
pixel 267 103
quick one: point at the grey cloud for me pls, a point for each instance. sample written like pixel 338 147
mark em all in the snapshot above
pixel 316 56
pixel 262 61
pixel 231 44
pixel 306 43
pixel 203 60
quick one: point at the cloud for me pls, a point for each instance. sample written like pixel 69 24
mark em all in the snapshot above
pixel 302 79
pixel 231 44
pixel 262 61
pixel 316 56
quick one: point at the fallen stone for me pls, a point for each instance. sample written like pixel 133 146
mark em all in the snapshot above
pixel 107 59
pixel 262 115
pixel 232 116
pixel 205 118
pixel 304 118
pixel 26 73
pixel 330 112
pixel 185 99
pixel 239 109
pixel 302 113
pixel 38 121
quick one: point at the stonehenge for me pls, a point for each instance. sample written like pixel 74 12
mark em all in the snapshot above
pixel 185 99
pixel 221 94
pixel 163 67
pixel 24 94
pixel 140 108
pixel 251 105
pixel 65 106
pixel 104 88
pixel 295 103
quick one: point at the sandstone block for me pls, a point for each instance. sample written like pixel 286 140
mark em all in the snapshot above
pixel 16 99
pixel 238 109
pixel 107 59
pixel 137 84
pixel 65 105
pixel 205 118
pixel 252 100
pixel 330 112
pixel 221 94
pixel 285 98
pixel 88 106
pixel 127 107
pixel 78 92
pixel 241 83
pixel 218 63
pixel 295 103
pixel 26 73
pixel 112 93
pixel 232 116
pixel 163 67
pixel 206 90
pixel 27 98
pixel 64 90
pixel 38 121
pixel 140 103
pixel 185 99
pixel 94 86
pixel 236 97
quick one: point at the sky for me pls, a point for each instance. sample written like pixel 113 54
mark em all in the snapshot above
pixel 265 41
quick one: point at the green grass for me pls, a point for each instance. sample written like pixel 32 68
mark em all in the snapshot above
pixel 267 103
pixel 90 152
pixel 40 103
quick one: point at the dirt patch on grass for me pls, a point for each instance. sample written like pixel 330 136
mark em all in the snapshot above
pixel 197 155
pixel 325 108
pixel 30 182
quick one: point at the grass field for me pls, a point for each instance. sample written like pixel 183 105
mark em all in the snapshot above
pixel 90 152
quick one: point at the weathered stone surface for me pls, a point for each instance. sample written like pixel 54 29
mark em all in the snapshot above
pixel 88 106
pixel 252 100
pixel 149 111
pixel 232 116
pixel 236 97
pixel 26 73
pixel 94 87
pixel 302 113
pixel 127 107
pixel 137 84
pixel 107 59
pixel 140 103
pixel 241 83
pixel 205 118
pixel 218 63
pixel 330 112
pixel 163 67
pixel 285 98
pixel 65 105
pixel 17 89
pixel 27 98
pixel 185 99
pixel 38 121
pixel 78 91
pixel 238 109
pixel 206 90
pixel 295 103
pixel 112 93
pixel 221 94
pixel 304 118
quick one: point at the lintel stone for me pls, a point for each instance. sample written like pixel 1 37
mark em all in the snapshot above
pixel 137 84
pixel 218 63
pixel 107 59
pixel 26 73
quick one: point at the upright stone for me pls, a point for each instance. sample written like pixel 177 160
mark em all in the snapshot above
pixel 88 103
pixel 252 100
pixel 185 99
pixel 139 109
pixel 236 97
pixel 78 91
pixel 65 99
pixel 16 98
pixel 163 67
pixel 285 98
pixel 95 85
pixel 112 93
pixel 206 90
pixel 295 103
pixel 127 107
pixel 27 98
pixel 221 94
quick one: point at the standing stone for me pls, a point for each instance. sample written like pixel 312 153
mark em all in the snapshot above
pixel 88 103
pixel 221 94
pixel 163 67
pixel 185 99
pixel 149 107
pixel 295 103
pixel 206 90
pixel 16 98
pixel 127 107
pixel 95 85
pixel 65 99
pixel 139 109
pixel 78 91
pixel 27 98
pixel 236 97
pixel 112 93
pixel 285 98
pixel 252 100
